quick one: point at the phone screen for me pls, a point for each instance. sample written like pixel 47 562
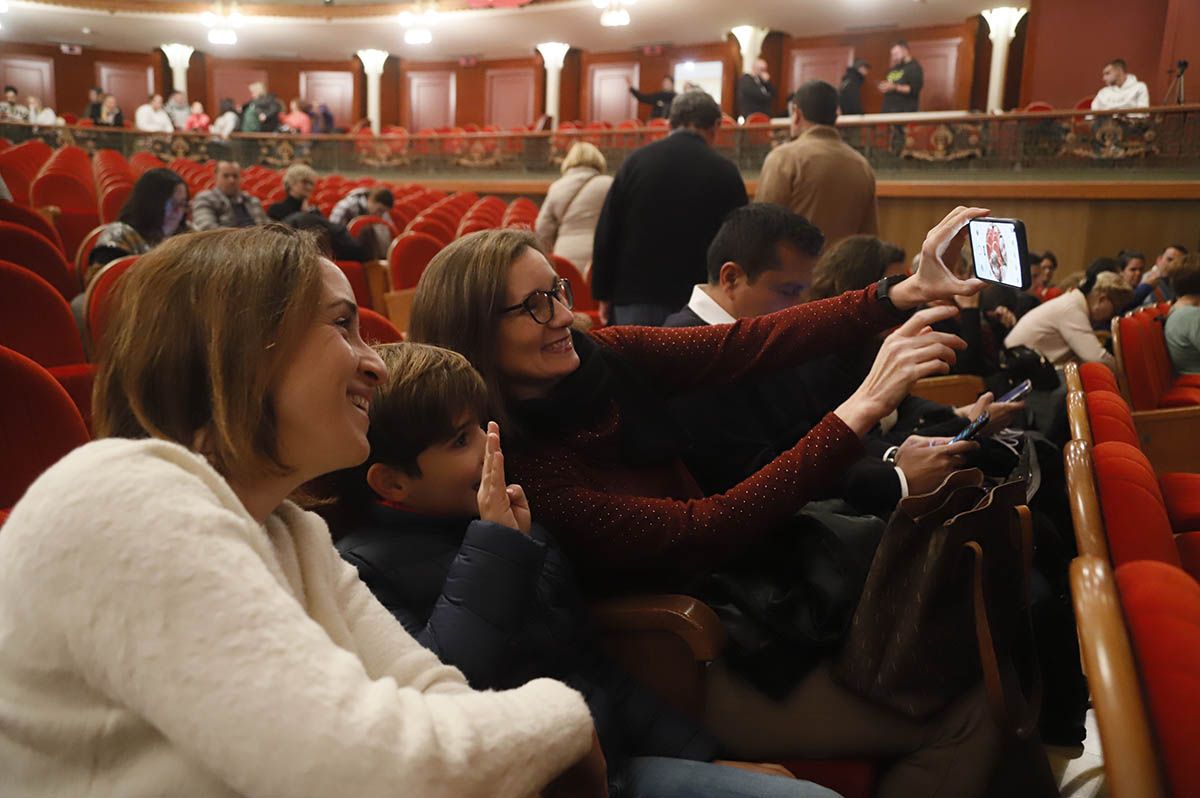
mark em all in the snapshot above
pixel 1019 391
pixel 973 429
pixel 1000 252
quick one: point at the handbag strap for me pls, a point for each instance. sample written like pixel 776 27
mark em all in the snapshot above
pixel 575 196
pixel 1013 711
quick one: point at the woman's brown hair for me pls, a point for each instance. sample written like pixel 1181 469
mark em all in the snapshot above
pixel 201 327
pixel 459 298
pixel 852 264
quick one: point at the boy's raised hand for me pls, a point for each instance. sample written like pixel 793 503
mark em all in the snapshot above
pixel 500 503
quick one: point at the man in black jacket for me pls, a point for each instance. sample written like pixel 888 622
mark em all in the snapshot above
pixel 902 87
pixel 850 92
pixel 664 207
pixel 762 261
pixel 659 101
pixel 755 92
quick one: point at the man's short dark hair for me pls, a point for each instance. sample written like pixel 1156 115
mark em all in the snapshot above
pixel 669 77
pixel 817 101
pixel 1119 63
pixel 13 89
pixel 695 109
pixel 97 89
pixel 1127 255
pixel 1050 256
pixel 900 43
pixel 1182 249
pixel 383 196
pixel 751 235
pixel 1185 276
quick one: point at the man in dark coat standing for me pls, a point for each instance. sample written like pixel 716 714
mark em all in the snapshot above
pixel 755 92
pixel 659 101
pixel 850 92
pixel 665 205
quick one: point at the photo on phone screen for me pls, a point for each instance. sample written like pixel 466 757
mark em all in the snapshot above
pixel 1019 392
pixel 999 250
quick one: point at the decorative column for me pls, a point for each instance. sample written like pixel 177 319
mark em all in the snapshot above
pixel 553 54
pixel 750 40
pixel 178 56
pixel 1002 26
pixel 373 61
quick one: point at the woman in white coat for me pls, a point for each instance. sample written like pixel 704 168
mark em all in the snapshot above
pixel 566 223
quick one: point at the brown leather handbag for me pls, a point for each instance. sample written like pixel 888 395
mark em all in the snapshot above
pixel 946 605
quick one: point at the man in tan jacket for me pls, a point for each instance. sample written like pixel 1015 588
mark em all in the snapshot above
pixel 818 175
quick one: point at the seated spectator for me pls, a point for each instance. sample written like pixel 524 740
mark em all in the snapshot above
pixel 178 109
pixel 1183 325
pixel 376 201
pixel 595 447
pixel 152 117
pixel 40 114
pixel 1041 275
pixel 1121 89
pixel 1156 283
pixel 1133 264
pixel 296 120
pixel 11 109
pixel 227 120
pixel 451 550
pixel 761 261
pixel 298 181
pixel 197 120
pixel 334 240
pixel 1061 329
pixel 110 113
pixel 260 114
pixel 92 111
pixel 156 210
pixel 174 625
pixel 226 205
pixel 567 220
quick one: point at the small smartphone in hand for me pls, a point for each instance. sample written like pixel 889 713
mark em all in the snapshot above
pixel 1019 392
pixel 1000 251
pixel 973 429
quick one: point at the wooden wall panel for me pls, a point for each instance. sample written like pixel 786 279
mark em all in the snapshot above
pixel 233 81
pixel 509 98
pixel 470 84
pixel 429 100
pixel 231 77
pixel 75 74
pixel 819 63
pixel 334 89
pixel 939 61
pixel 32 75
pixel 652 68
pixel 608 92
pixel 129 83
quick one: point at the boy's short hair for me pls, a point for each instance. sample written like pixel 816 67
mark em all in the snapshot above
pixel 383 196
pixel 427 392
pixel 1185 275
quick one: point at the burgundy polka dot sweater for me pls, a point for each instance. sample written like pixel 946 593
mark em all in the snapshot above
pixel 631 524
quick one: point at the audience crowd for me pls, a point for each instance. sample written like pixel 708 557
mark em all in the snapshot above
pixel 295 564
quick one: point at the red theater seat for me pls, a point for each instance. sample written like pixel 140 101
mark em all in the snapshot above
pixel 1098 377
pixel 1135 516
pixel 1162 610
pixel 39 424
pixel 1149 378
pixel 377 329
pixel 24 247
pixel 408 256
pixel 98 305
pixel 24 215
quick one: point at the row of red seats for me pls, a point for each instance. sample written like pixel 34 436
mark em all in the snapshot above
pixel 1144 365
pixel 1140 629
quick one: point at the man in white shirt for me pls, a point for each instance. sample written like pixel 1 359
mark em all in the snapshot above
pixel 152 117
pixel 1121 89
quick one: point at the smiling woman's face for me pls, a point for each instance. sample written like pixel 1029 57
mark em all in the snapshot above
pixel 533 357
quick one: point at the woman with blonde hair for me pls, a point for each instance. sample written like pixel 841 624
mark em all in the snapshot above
pixel 566 223
pixel 298 181
pixel 1062 329
pixel 173 625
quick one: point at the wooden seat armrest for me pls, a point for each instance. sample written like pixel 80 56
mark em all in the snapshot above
pixel 690 619
pixel 1129 762
pixel 955 390
pixel 1086 515
pixel 1168 437
pixel 377 283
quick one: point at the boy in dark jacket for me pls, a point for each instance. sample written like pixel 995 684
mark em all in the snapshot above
pixel 452 552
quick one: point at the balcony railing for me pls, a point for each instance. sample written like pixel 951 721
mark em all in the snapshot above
pixel 1162 141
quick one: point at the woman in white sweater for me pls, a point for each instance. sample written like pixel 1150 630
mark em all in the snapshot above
pixel 566 223
pixel 170 624
pixel 1062 329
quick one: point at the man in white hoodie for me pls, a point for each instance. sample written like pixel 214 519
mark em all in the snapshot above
pixel 1121 89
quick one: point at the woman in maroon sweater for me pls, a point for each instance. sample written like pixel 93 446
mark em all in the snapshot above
pixel 596 452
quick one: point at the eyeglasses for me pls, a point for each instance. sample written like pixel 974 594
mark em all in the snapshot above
pixel 540 304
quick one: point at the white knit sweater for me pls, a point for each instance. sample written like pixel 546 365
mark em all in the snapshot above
pixel 156 641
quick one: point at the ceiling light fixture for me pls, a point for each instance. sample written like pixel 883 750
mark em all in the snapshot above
pixel 615 13
pixel 417 23
pixel 418 36
pixel 219 17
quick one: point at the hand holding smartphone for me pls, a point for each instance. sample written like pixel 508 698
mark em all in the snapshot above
pixel 1000 251
pixel 973 429
pixel 1018 392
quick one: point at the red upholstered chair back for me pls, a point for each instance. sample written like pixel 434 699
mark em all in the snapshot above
pixel 65 181
pixel 377 329
pixel 579 284
pixel 39 424
pixel 408 256
pixel 1098 377
pixel 74 225
pixel 84 250
pixel 98 307
pixel 19 165
pixel 1110 418
pixel 1162 611
pixel 24 247
pixel 1146 383
pixel 35 320
pixel 434 227
pixel 1135 517
pixel 357 276
pixel 22 214
pixel 360 223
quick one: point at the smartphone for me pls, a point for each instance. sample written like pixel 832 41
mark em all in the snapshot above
pixel 1019 392
pixel 1000 251
pixel 974 428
